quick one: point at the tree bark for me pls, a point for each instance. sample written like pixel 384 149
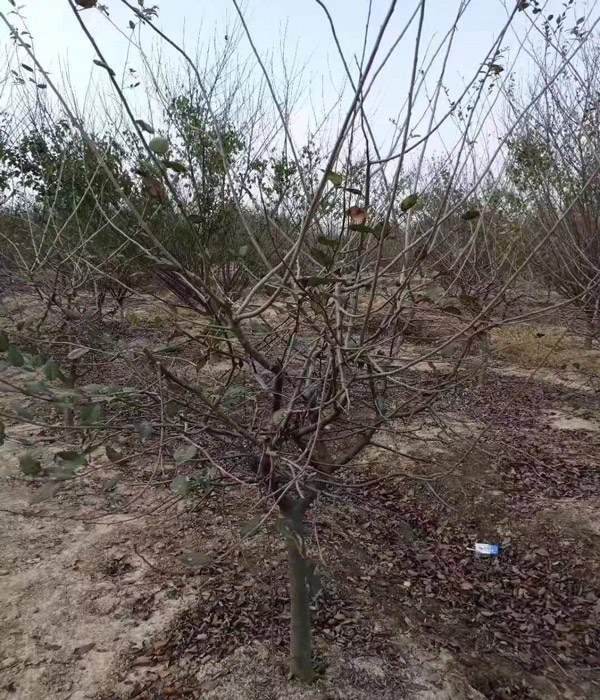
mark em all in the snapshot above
pixel 298 569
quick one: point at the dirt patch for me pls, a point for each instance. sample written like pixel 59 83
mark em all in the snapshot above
pixel 76 596
pixel 99 605
pixel 563 421
pixel 578 515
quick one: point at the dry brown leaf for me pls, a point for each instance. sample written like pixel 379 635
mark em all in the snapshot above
pixel 357 215
pixel 153 186
pixel 208 685
pixel 84 648
pixel 143 661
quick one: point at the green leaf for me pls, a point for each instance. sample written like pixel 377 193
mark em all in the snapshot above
pixel 233 397
pixel 176 166
pixel 38 388
pixel 451 309
pixel 331 242
pixel 24 412
pixel 46 492
pixel 74 459
pixel 144 429
pixel 160 145
pixel 409 202
pixel 185 454
pixel 318 306
pixel 196 559
pixel 27 68
pixel 361 228
pixel 29 464
pixel 321 257
pixel 77 353
pixel 37 361
pixel 63 471
pixel 4 365
pixel 90 414
pixel 110 484
pixel 173 409
pixel 378 230
pixel 452 349
pixel 164 264
pixel 335 178
pixel 180 485
pixel 353 190
pixel 4 344
pixel 250 529
pixel 106 67
pixel 433 292
pixel 14 357
pixel 144 126
pixel 52 371
pixel 112 454
pixel 243 251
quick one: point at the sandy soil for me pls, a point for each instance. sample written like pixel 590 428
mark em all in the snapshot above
pixel 75 594
pixel 81 608
pixel 96 605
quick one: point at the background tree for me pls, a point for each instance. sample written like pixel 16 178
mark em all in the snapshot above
pixel 554 167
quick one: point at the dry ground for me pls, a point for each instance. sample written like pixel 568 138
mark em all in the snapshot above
pixel 97 605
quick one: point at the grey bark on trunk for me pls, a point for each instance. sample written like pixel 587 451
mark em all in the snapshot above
pixel 300 631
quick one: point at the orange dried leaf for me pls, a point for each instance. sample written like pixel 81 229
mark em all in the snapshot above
pixel 357 215
pixel 153 187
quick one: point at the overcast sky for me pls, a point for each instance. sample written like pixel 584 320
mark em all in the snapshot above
pixel 296 29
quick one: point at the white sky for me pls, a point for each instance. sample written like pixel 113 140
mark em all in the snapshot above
pixel 295 28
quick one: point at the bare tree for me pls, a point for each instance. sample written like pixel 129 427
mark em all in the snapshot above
pixel 554 165
pixel 296 269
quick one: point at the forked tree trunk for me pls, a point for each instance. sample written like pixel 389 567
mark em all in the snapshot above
pixel 298 570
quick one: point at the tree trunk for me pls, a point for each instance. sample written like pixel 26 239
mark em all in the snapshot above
pixel 298 569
